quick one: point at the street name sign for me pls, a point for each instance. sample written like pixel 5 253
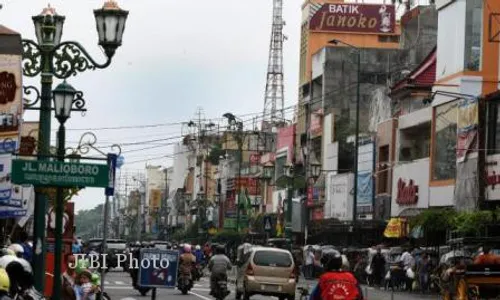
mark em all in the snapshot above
pixel 55 173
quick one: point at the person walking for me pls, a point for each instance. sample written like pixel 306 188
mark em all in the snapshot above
pixel 309 263
pixel 378 267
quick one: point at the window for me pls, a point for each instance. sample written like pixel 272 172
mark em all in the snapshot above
pixel 473 34
pixel 117 246
pixel 272 259
pixel 493 128
pixel 280 165
pixel 444 157
pixel 414 142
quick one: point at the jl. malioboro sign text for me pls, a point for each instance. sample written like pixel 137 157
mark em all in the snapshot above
pixel 368 18
pixel 50 173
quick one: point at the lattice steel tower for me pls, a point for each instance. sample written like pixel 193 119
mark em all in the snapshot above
pixel 274 96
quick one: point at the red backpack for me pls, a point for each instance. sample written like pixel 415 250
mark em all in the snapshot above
pixel 339 286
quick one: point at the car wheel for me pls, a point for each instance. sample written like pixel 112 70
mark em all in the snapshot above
pixel 292 297
pixel 246 296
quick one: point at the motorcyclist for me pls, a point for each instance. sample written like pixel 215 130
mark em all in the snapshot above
pixel 200 257
pixel 18 250
pixel 336 283
pixel 186 262
pixel 134 272
pixel 4 285
pixel 22 280
pixel 218 265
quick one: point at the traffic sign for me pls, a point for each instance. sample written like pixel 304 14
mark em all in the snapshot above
pixel 158 268
pixel 267 223
pixel 55 173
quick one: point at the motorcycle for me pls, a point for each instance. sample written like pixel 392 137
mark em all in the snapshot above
pixel 185 284
pixel 197 272
pixel 221 290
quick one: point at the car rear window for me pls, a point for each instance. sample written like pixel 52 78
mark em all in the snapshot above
pixel 119 246
pixel 272 259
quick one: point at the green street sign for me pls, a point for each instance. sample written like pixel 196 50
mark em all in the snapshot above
pixel 55 173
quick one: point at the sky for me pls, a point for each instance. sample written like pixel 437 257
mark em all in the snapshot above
pixel 176 56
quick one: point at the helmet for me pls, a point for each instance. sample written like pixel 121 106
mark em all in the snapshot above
pixel 220 249
pixel 331 260
pixel 197 247
pixel 4 281
pixel 81 265
pixel 7 259
pixel 18 249
pixel 187 248
pixel 95 279
pixel 20 273
pixel 26 265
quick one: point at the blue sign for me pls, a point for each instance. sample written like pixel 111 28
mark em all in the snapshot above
pixel 158 268
pixel 365 189
pixel 110 190
pixel 7 146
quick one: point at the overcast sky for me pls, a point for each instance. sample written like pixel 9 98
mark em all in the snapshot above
pixel 176 56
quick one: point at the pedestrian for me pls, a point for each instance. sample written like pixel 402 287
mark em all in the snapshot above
pixel 424 269
pixel 378 267
pixel 309 265
pixel 69 276
pixel 75 247
pixel 23 241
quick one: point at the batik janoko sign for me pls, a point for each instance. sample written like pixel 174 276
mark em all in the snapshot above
pixel 353 17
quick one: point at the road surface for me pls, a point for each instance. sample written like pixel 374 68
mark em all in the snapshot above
pixel 118 285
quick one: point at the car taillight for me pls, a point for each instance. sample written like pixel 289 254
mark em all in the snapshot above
pixel 249 270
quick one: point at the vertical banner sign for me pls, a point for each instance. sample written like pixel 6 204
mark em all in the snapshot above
pixel 110 190
pixel 468 119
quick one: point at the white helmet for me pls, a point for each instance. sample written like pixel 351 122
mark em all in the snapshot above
pixel 187 248
pixel 18 249
pixel 197 247
pixel 7 259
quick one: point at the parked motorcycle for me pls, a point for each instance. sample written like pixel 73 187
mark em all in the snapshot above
pixel 185 284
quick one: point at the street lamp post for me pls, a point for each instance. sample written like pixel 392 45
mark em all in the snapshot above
pixel 50 57
pixel 63 96
pixel 290 174
pixel 356 137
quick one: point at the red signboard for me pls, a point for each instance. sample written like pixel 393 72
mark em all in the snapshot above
pixel 251 184
pixel 309 196
pixel 407 193
pixel 493 179
pixel 353 17
pixel 286 139
pixel 8 87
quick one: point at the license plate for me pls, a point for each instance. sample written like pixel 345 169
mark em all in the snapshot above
pixel 270 288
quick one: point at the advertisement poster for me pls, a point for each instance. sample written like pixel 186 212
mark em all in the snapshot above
pixel 354 17
pixel 365 189
pixel 467 127
pixel 14 199
pixel 158 268
pixel 11 107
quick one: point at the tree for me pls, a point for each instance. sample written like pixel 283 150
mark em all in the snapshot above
pixel 86 221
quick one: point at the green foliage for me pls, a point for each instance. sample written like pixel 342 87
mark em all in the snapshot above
pixel 434 219
pixel 473 223
pixel 230 237
pixel 86 221
pixel 215 153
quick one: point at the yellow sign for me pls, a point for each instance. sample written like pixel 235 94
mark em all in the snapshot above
pixel 154 198
pixel 212 231
pixel 396 228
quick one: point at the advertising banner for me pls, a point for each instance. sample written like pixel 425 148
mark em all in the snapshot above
pixel 286 140
pixel 158 268
pixel 365 189
pixel 155 198
pixel 14 199
pixel 354 17
pixel 316 127
pixel 467 127
pixel 339 201
pixel 396 228
pixel 11 107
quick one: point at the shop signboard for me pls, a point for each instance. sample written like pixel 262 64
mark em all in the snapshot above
pixel 158 268
pixel 410 186
pixel 339 198
pixel 355 17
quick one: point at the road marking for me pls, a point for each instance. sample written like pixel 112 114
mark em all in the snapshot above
pixel 106 282
pixel 200 296
pixel 128 298
pixel 124 287
pixel 201 289
pixel 120 282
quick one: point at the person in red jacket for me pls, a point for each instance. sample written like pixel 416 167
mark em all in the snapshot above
pixel 336 284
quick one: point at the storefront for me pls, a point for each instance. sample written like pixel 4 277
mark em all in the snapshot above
pixel 410 188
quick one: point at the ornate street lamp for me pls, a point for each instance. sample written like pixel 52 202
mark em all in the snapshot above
pixel 110 20
pixel 290 174
pixel 50 56
pixel 63 95
pixel 315 169
pixel 267 171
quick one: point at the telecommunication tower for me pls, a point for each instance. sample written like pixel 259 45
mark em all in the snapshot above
pixel 274 95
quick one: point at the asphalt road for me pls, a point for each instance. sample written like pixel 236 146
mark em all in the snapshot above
pixel 118 285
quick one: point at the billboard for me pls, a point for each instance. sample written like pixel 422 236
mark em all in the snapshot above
pixel 286 140
pixel 155 198
pixel 339 198
pixel 353 17
pixel 11 107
